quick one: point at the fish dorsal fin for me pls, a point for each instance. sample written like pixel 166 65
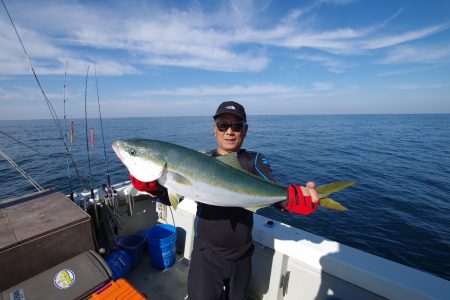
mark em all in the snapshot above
pixel 231 160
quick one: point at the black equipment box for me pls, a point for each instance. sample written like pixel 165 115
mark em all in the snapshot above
pixel 39 231
pixel 76 278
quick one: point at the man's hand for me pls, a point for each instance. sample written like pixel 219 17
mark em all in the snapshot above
pixel 302 200
pixel 148 187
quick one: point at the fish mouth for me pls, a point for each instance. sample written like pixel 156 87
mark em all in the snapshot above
pixel 115 146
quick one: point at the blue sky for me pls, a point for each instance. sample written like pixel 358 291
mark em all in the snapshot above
pixel 177 58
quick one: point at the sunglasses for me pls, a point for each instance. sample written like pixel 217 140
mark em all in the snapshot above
pixel 236 127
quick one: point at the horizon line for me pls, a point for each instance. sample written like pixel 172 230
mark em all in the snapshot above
pixel 252 115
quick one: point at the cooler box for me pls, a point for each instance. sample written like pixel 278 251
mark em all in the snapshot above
pixel 39 231
pixel 76 278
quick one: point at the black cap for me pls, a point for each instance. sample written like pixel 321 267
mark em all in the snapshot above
pixel 231 107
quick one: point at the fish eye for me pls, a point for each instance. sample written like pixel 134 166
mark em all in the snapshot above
pixel 132 151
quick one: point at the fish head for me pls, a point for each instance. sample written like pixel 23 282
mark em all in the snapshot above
pixel 144 162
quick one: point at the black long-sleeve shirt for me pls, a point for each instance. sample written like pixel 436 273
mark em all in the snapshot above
pixel 228 230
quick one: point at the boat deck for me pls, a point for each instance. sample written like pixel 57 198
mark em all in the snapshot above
pixel 169 284
pixel 288 263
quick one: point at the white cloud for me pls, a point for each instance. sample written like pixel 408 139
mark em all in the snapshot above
pixel 226 38
pixel 237 63
pixel 104 67
pixel 234 90
pixel 348 41
pixel 12 58
pixel 25 94
pixel 410 54
pixel 21 93
pixel 392 40
pixel 404 71
pixel 332 64
pixel 416 86
pixel 322 86
pixel 47 57
pixel 338 2
pixel 187 38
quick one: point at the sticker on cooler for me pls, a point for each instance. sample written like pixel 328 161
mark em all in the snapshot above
pixel 64 279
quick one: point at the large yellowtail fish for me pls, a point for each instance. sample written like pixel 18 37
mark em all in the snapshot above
pixel 218 181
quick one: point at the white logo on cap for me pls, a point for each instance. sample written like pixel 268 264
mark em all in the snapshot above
pixel 231 107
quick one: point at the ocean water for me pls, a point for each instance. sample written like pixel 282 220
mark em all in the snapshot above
pixel 399 209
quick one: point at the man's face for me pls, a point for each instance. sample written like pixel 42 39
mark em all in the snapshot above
pixel 229 140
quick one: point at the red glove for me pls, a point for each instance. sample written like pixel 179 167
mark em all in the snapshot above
pixel 155 190
pixel 149 187
pixel 298 203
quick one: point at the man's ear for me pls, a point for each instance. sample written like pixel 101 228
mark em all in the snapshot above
pixel 215 128
pixel 244 131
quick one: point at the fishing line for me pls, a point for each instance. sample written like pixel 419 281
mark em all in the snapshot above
pixel 103 133
pixel 65 134
pixel 65 100
pixel 170 208
pixel 29 147
pixel 47 101
pixel 110 195
pixel 88 152
pixel 33 182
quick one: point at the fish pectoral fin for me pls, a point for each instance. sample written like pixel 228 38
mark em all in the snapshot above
pixel 332 204
pixel 181 179
pixel 175 199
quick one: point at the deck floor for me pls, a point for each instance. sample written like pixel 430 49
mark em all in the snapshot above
pixel 170 284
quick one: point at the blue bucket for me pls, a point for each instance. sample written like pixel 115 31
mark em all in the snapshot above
pixel 133 244
pixel 161 244
pixel 119 261
pixel 143 233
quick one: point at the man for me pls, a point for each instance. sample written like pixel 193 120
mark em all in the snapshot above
pixel 223 235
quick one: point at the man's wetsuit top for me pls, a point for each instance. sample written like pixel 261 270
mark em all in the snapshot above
pixel 228 230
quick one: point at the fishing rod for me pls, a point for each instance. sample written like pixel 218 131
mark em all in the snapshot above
pixel 65 134
pixel 33 182
pixel 92 197
pixel 108 180
pixel 47 101
pixel 111 201
pixel 110 193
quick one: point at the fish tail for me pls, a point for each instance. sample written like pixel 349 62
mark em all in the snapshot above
pixel 327 189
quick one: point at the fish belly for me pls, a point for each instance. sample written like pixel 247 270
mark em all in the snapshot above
pixel 217 195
